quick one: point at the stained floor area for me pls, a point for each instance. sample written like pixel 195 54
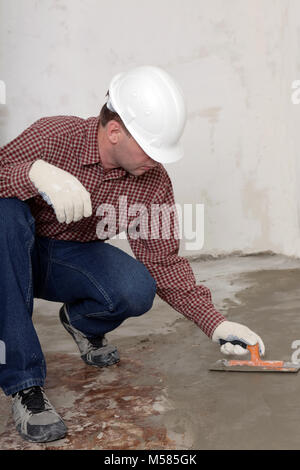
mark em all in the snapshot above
pixel 162 395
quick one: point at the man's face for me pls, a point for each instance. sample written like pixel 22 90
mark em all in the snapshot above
pixel 131 156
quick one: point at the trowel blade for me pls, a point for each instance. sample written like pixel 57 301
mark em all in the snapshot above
pixel 224 365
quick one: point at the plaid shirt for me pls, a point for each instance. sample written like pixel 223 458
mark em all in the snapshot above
pixel 71 144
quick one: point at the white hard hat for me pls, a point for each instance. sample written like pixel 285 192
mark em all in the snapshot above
pixel 152 108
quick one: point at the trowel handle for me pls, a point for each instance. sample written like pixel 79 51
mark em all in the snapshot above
pixel 235 342
pixel 254 350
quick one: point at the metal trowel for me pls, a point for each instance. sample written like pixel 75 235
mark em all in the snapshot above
pixel 255 364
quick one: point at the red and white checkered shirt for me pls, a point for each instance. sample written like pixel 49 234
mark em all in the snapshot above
pixel 71 144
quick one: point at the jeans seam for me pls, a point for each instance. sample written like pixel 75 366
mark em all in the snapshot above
pixel 29 293
pixel 91 278
pixel 90 315
pixel 25 384
pixel 30 245
pixel 50 247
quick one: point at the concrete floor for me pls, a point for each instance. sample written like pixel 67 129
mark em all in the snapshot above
pixel 161 395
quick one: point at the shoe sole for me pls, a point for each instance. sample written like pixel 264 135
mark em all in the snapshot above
pixel 110 350
pixel 57 432
pixel 108 357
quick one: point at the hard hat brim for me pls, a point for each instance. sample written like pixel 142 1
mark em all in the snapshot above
pixel 162 155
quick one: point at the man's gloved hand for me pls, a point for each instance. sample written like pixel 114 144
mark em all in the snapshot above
pixel 69 198
pixel 230 331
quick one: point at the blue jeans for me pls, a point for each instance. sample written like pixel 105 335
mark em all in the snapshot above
pixel 100 284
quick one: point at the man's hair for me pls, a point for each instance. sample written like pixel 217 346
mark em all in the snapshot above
pixel 107 115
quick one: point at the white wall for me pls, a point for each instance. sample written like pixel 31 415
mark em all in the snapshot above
pixel 235 60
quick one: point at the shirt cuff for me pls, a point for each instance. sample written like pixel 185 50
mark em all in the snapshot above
pixel 21 183
pixel 209 323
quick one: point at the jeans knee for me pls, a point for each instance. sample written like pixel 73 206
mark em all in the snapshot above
pixel 140 299
pixel 151 292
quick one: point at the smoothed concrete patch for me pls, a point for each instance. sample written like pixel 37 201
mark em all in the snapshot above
pixel 161 395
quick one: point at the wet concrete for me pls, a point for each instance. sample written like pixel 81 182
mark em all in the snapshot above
pixel 161 395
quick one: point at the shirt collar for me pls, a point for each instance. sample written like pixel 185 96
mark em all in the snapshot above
pixel 92 155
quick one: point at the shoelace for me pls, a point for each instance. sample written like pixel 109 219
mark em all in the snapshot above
pixel 34 400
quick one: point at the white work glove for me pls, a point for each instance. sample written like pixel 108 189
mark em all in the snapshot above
pixel 69 198
pixel 230 331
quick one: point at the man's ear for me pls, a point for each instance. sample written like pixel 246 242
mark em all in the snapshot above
pixel 113 129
